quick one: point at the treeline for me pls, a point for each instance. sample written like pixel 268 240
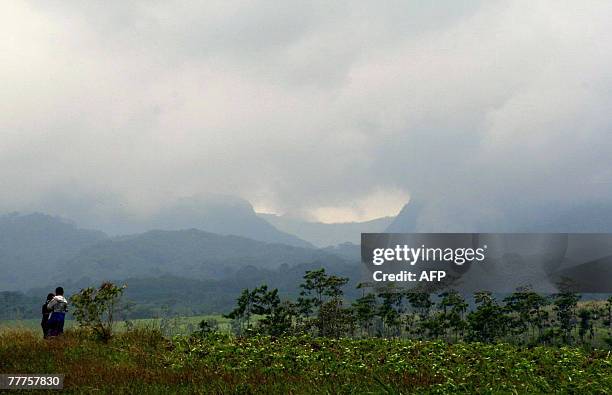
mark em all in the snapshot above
pixel 170 296
pixel 524 317
pixel 18 306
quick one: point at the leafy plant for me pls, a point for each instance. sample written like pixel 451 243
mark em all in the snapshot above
pixel 96 308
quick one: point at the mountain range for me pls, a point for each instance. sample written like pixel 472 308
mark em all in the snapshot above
pixel 188 271
pixel 325 234
pixel 214 238
pixel 195 238
pixel 188 253
pixel 221 214
pixel 34 246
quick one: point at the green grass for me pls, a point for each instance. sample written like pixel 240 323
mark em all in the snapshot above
pixel 170 326
pixel 143 361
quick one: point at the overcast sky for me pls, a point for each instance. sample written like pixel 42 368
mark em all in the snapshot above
pixel 328 110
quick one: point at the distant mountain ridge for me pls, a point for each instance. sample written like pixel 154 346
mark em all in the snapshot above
pixel 39 252
pixel 324 234
pixel 594 217
pixel 185 253
pixel 33 246
pixel 406 220
pixel 220 214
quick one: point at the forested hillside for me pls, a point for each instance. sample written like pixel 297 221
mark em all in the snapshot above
pixel 34 246
pixel 185 253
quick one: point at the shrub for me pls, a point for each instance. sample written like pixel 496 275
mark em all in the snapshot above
pixel 96 308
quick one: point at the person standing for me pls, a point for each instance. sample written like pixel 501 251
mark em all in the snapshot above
pixel 45 316
pixel 58 307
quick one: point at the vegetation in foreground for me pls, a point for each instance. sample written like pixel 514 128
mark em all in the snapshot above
pixel 143 361
pixel 169 326
pixel 379 344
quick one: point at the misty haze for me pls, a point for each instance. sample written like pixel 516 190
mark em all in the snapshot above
pixel 199 151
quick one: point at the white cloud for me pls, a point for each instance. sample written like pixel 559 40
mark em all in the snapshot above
pixel 302 107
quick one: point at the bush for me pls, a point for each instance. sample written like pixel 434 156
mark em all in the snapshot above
pixel 96 308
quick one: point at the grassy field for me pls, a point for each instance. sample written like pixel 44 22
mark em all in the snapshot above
pixel 168 326
pixel 144 361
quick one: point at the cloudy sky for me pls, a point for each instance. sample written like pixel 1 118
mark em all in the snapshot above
pixel 327 110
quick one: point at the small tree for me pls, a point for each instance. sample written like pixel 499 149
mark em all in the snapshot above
pixel 565 303
pixel 317 289
pixel 279 320
pixel 96 308
pixel 421 303
pixel 276 316
pixel 241 315
pixel 208 326
pixel 585 325
pixel 488 322
pixel 608 312
pixel 390 310
pixel 453 308
pixel 365 312
pixel 334 320
pixel 526 313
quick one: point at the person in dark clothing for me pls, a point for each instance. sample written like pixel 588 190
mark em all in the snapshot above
pixel 58 307
pixel 46 312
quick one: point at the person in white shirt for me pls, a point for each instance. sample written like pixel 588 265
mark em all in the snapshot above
pixel 58 306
